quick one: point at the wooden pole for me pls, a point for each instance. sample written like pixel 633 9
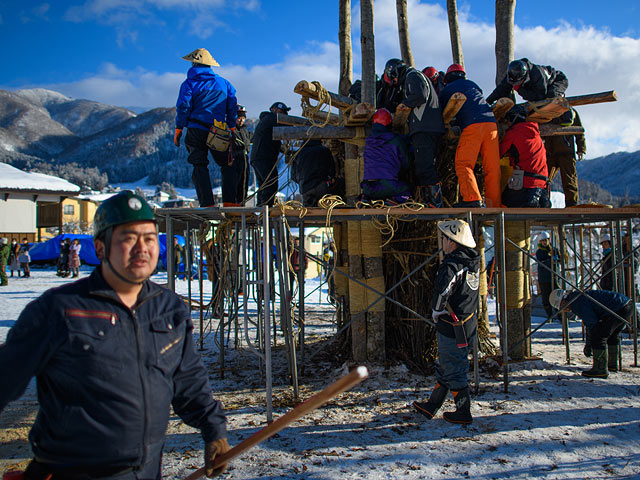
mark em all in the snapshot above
pixel 308 89
pixel 403 32
pixel 505 11
pixel 298 133
pixel 354 377
pixel 368 48
pixel 454 32
pixel 344 36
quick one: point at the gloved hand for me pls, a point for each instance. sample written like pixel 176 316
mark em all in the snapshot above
pixel 587 350
pixel 580 156
pixel 211 451
pixel 436 313
pixel 176 138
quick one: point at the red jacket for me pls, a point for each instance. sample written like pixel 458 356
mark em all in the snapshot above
pixel 524 145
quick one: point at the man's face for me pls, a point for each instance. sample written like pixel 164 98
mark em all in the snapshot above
pixel 544 242
pixel 134 250
pixel 240 121
pixel 605 244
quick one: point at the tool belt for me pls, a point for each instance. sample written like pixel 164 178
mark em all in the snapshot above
pixel 41 471
pixel 219 137
pixel 516 181
pixel 449 320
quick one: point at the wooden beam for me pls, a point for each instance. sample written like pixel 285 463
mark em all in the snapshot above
pixel 548 130
pixel 302 133
pixel 291 120
pixel 308 89
pixel 601 97
pixel 453 106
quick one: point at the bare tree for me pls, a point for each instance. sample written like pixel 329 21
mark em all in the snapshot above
pixel 344 36
pixel 368 52
pixel 403 32
pixel 505 11
pixel 454 32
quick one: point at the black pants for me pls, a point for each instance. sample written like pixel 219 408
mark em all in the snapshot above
pixel 545 290
pixel 267 176
pixel 608 328
pixel 526 198
pixel 241 167
pixel 425 147
pixel 196 143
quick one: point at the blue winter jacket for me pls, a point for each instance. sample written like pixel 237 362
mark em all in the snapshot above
pixel 205 97
pixel 590 312
pixel 385 154
pixel 474 110
pixel 106 374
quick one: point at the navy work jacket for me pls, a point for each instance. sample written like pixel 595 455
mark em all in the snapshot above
pixel 106 374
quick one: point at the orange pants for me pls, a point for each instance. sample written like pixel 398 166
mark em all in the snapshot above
pixel 479 138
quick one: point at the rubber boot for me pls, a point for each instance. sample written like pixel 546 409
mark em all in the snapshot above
pixel 463 407
pixel 470 204
pixel 435 192
pixel 437 398
pixel 599 369
pixel 612 357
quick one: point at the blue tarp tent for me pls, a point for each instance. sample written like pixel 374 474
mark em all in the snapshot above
pixel 49 251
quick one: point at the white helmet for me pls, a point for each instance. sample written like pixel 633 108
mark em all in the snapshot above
pixel 543 236
pixel 605 238
pixel 556 297
pixel 458 231
pixel 4 240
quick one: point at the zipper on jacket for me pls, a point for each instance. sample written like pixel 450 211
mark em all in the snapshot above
pixel 145 427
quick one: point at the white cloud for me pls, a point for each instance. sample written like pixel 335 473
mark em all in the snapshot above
pixel 594 60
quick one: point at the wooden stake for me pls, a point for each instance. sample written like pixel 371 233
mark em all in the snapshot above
pixel 453 107
pixel 350 380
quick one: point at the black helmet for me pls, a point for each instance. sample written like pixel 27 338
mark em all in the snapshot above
pixel 125 207
pixel 392 70
pixel 517 72
pixel 242 111
pixel 516 114
pixel 280 106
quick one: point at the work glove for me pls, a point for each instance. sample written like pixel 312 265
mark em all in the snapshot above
pixel 176 138
pixel 211 451
pixel 587 350
pixel 436 313
pixel 580 157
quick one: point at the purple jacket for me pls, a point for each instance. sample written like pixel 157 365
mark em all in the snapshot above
pixel 385 154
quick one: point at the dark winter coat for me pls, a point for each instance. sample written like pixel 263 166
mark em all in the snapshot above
pixel 265 149
pixel 526 151
pixel 107 375
pixel 420 96
pixel 241 142
pixel 543 255
pixel 475 109
pixel 590 312
pixel 606 282
pixel 5 250
pixel 457 282
pixel 312 166
pixel 205 97
pixel 542 82
pixel 385 154
pixel 566 145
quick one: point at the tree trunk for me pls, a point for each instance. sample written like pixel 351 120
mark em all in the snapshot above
pixel 505 11
pixel 403 32
pixel 368 52
pixel 454 32
pixel 344 36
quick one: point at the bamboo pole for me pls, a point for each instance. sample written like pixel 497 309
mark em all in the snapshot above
pixel 350 380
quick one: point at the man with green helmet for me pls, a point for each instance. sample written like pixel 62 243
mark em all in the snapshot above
pixel 111 353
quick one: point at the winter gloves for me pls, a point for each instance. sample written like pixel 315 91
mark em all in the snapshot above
pixel 211 451
pixel 176 138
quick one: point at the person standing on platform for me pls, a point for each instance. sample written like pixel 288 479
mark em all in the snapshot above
pixel 456 290
pixel 479 136
pixel 562 153
pixel 206 100
pixel 265 152
pixel 241 145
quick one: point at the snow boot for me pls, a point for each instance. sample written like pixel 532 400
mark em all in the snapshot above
pixel 599 369
pixel 429 195
pixel 463 407
pixel 612 357
pixel 437 398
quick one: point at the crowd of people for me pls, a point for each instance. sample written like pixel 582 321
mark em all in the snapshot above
pixel 14 257
pixel 398 165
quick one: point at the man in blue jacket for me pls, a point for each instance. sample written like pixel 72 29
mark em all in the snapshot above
pixel 206 99
pixel 603 328
pixel 111 353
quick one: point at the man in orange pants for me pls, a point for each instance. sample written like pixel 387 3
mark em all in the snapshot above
pixel 479 136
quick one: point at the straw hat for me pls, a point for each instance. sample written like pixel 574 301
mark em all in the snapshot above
pixel 458 231
pixel 201 55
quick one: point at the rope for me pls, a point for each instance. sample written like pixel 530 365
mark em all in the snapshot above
pixel 309 111
pixel 393 215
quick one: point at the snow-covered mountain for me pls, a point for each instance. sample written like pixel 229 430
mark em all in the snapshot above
pixel 619 173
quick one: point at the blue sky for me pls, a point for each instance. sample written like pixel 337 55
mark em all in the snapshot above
pixel 127 52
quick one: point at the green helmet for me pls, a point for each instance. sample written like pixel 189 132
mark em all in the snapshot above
pixel 125 207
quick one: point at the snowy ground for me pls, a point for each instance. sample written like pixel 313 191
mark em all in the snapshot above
pixel 552 423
